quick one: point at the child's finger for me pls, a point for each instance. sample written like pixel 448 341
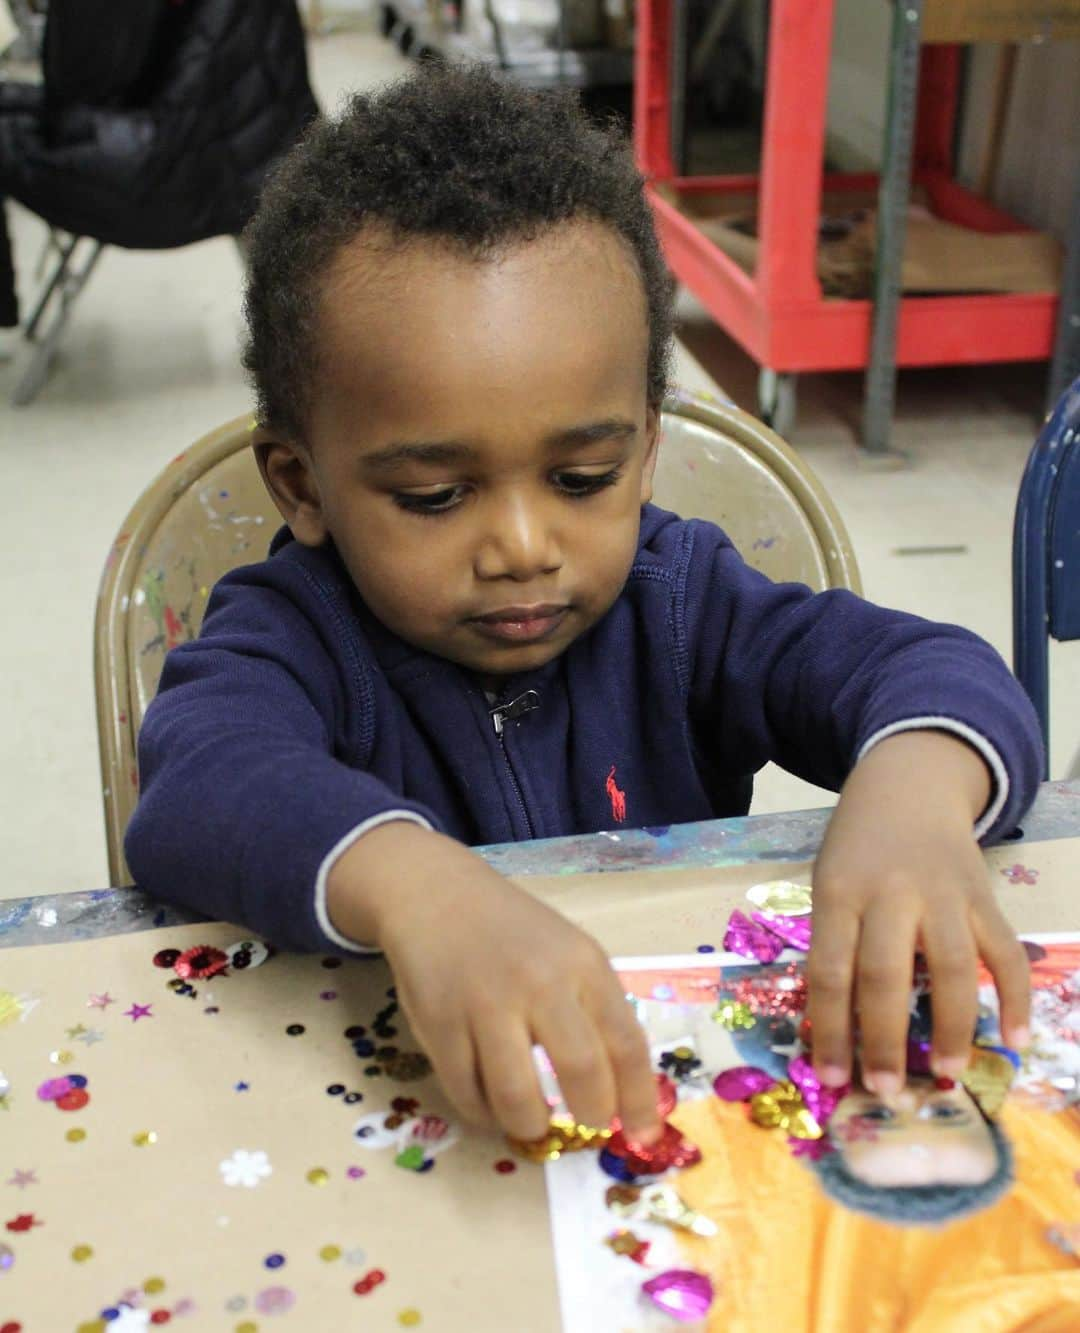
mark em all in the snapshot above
pixel 509 1079
pixel 954 977
pixel 1008 962
pixel 628 1050
pixel 453 1058
pixel 583 1069
pixel 830 972
pixel 883 993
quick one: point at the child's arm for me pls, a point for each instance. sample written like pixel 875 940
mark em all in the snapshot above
pixel 484 971
pixel 935 746
pixel 899 869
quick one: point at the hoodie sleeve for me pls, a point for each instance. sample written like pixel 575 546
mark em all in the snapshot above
pixel 814 681
pixel 243 805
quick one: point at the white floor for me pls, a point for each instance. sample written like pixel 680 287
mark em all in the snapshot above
pixel 150 363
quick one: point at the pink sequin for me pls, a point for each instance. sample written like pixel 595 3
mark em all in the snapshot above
pixel 741 1083
pixel 680 1293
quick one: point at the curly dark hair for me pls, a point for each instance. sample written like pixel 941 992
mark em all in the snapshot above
pixel 449 152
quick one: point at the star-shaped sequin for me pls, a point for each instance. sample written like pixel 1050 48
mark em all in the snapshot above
pixel 23 1178
pixel 138 1011
pixel 90 1035
pixel 241 1086
pixel 75 1032
pixel 101 1001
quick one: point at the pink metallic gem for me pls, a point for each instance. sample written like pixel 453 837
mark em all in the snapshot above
pixel 741 1083
pixel 681 1293
pixel 820 1101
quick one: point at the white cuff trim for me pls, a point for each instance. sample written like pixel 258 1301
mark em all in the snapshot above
pixel 1000 793
pixel 322 916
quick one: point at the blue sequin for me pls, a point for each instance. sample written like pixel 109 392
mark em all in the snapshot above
pixel 615 1166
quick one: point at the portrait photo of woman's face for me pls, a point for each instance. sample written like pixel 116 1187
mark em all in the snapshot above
pixel 926 1135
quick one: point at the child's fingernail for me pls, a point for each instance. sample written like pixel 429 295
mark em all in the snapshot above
pixel 834 1076
pixel 951 1066
pixel 1020 1037
pixel 883 1081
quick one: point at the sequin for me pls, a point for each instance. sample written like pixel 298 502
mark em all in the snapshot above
pixel 625 1242
pixel 409 1318
pixel 275 1300
pixel 74 1100
pixel 356 1173
pixel 783 896
pixel 145 1138
pixel 80 1253
pixel 661 1203
pixel 53 1088
pixel 795 931
pixel 329 1253
pixel 821 1101
pixel 750 940
pixel 669 1151
pixel 7 1258
pixel 75 1135
pixel 734 1016
pixel 166 957
pixel 563 1135
pixel 782 1107
pixel 201 962
pixel 318 1175
pixel 61 1057
pixel 504 1166
pixel 336 1089
pixel 681 1293
pixel 274 1260
pixel 296 1029
pixel 153 1285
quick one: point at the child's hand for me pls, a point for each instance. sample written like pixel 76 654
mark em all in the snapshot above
pixel 900 870
pixel 484 971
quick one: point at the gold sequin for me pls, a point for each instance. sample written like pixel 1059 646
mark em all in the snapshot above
pixel 10 1008
pixel 782 1107
pixel 94 1326
pixel 61 1057
pixel 318 1175
pixel 563 1136
pixel 75 1135
pixel 732 1014
pixel 81 1253
pixel 329 1253
pixel 153 1285
pixel 144 1138
pixel 409 1318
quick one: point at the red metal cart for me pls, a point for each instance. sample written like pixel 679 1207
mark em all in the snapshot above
pixel 778 313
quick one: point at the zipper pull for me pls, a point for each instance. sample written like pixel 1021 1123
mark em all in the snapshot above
pixel 514 710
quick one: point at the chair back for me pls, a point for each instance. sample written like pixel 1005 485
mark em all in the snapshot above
pixel 1046 554
pixel 208 512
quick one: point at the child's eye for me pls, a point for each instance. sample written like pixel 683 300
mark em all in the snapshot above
pixel 435 502
pixel 877 1114
pixel 580 484
pixel 942 1111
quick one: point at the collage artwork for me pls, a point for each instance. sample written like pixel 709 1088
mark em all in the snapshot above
pixel 196 1131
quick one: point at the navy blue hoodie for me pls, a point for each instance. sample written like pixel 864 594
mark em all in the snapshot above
pixel 297 721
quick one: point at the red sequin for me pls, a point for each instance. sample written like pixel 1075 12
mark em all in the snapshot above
pixel 160 1317
pixel 74 1100
pixel 362 1287
pixel 670 1150
pixel 944 1084
pixel 12 1326
pixel 201 962
pixel 505 1166
pixel 376 1276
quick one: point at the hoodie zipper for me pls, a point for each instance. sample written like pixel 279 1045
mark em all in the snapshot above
pixel 512 711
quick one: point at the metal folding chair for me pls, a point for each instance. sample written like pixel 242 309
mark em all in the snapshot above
pixel 58 295
pixel 1046 553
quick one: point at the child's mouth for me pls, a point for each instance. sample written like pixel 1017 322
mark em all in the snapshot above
pixel 521 624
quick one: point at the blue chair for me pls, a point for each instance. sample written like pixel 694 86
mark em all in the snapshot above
pixel 1046 553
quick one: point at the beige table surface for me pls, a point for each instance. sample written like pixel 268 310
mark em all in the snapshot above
pixel 463 1246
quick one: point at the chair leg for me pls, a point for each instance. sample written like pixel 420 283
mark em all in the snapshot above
pixel 65 250
pixel 68 281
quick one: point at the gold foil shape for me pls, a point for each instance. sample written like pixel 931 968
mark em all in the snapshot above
pixel 783 896
pixel 988 1078
pixel 782 1107
pixel 733 1014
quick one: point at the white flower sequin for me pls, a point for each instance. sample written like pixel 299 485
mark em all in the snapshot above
pixel 245 1168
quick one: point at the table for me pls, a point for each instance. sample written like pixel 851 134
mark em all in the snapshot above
pixel 131 1195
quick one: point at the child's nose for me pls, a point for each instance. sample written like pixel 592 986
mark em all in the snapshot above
pixel 517 543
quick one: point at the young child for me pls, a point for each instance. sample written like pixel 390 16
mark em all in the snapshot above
pixel 475 628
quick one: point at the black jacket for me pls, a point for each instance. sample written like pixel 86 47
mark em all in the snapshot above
pixel 159 117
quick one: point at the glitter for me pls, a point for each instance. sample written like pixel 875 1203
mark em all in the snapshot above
pixel 409 1318
pixel 144 1138
pixel 329 1253
pixel 153 1285
pixel 318 1175
pixel 75 1135
pixel 81 1253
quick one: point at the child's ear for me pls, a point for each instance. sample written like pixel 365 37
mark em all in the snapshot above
pixel 289 477
pixel 652 446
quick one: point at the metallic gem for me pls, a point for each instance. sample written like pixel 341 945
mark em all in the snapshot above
pixel 662 1204
pixel 681 1293
pixel 750 940
pixel 741 1083
pixel 988 1078
pixel 793 930
pixel 821 1101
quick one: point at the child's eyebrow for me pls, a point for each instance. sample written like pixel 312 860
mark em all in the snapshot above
pixel 451 451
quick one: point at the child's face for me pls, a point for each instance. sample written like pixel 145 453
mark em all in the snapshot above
pixel 925 1136
pixel 480 443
